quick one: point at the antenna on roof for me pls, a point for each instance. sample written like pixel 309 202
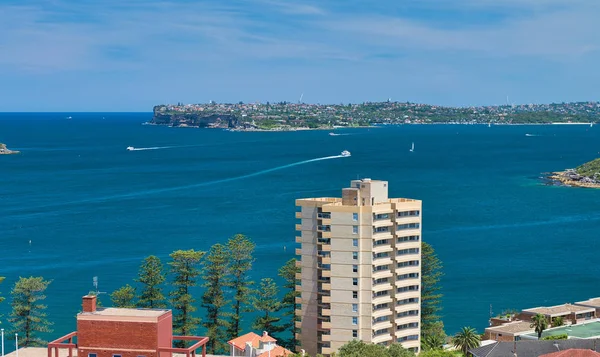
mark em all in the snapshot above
pixel 95 282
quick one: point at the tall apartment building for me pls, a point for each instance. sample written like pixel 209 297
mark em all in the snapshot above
pixel 360 261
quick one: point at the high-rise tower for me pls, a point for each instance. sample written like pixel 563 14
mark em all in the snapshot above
pixel 360 261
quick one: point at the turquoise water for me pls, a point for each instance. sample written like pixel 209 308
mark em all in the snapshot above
pixel 91 208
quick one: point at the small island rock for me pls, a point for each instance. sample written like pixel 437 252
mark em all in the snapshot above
pixel 5 151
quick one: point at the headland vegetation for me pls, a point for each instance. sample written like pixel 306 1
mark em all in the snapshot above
pixel 285 116
pixel 586 175
pixel 5 151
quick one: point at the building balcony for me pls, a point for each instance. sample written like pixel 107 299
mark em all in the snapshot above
pixel 325 260
pixel 298 239
pixel 382 261
pixel 298 263
pixel 381 338
pixel 326 350
pixel 299 215
pixel 298 324
pixel 382 274
pixel 381 300
pixel 324 215
pixel 325 299
pixel 381 325
pixel 383 223
pixel 382 248
pixel 326 221
pixel 382 287
pixel 324 325
pixel 326 234
pixel 325 338
pixel 326 312
pixel 382 234
pixel 408 219
pixel 298 227
pixel 326 286
pixel 324 228
pixel 298 251
pixel 326 248
pixel 298 300
pixel 326 273
pixel 298 276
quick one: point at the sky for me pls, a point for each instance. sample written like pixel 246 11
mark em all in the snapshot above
pixel 129 55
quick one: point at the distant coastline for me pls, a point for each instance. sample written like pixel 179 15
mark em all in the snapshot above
pixel 285 116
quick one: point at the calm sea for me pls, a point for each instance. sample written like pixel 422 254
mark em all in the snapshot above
pixel 75 204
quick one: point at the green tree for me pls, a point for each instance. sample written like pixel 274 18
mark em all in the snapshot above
pixel 562 336
pixel 265 301
pixel 28 315
pixel 239 249
pixel 214 271
pixel 437 353
pixel 123 297
pixel 358 348
pixel 184 268
pixel 466 339
pixel 557 321
pixel 288 273
pixel 540 323
pixel 435 338
pixel 431 299
pixel 151 275
pixel 95 293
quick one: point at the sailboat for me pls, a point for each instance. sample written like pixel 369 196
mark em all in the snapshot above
pixel 489 124
pixel 591 124
pixel 413 147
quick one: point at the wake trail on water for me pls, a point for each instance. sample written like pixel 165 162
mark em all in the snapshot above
pixel 185 187
pixel 153 148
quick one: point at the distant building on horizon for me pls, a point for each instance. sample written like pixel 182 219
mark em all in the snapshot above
pixel 360 260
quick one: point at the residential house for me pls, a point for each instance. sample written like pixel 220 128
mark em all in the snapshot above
pixel 253 345
pixel 568 312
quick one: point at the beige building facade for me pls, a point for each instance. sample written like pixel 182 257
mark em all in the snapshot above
pixel 360 260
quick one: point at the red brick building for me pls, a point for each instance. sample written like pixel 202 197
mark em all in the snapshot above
pixel 120 332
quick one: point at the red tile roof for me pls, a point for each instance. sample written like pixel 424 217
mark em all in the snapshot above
pixel 573 353
pixel 240 342
pixel 278 352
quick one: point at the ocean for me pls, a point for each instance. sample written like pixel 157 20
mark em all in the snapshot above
pixel 75 204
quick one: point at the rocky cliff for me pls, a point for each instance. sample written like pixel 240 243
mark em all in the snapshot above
pixel 195 120
pixel 5 151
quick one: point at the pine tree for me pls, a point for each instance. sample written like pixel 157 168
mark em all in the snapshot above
pixel 214 272
pixel 239 250
pixel 123 297
pixel 288 273
pixel 28 315
pixel 184 268
pixel 1 298
pixel 266 302
pixel 151 275
pixel 431 299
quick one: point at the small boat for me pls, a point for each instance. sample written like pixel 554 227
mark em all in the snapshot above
pixel 130 148
pixel 489 124
pixel 412 149
pixel 69 118
pixel 333 134
pixel 345 153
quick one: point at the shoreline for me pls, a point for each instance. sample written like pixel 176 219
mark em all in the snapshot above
pixel 6 151
pixel 564 178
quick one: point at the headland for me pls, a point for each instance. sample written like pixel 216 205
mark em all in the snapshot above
pixel 286 116
pixel 586 175
pixel 5 151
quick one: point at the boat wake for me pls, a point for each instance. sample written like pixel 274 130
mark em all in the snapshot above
pixel 27 211
pixel 131 148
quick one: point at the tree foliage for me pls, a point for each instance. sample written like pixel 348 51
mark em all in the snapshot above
pixel 434 338
pixel 1 297
pixel 358 348
pixel 214 272
pixel 466 339
pixel 539 323
pixel 123 297
pixel 431 299
pixel 151 275
pixel 265 301
pixel 239 250
pixel 438 353
pixel 288 273
pixel 562 336
pixel 184 269
pixel 28 315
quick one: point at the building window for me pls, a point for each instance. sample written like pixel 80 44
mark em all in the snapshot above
pixel 355 268
pixel 354 229
pixel 116 356
pixel 355 255
pixel 355 281
pixel 355 242
pixel 355 333
pixel 355 294
pixel 92 355
pixel 355 320
pixel 355 217
pixel 354 307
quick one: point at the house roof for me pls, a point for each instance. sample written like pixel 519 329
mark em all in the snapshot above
pixel 573 353
pixel 558 309
pixel 534 348
pixel 280 352
pixel 241 342
pixel 595 302
pixel 512 328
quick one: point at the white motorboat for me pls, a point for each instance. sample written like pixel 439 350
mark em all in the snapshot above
pixel 130 148
pixel 345 153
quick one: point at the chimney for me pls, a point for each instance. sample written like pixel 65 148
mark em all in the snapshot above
pixel 89 303
pixel 265 334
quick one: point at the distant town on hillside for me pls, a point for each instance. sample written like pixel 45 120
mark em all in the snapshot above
pixel 291 116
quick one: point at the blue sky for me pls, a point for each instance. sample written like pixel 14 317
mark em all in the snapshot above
pixel 127 55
